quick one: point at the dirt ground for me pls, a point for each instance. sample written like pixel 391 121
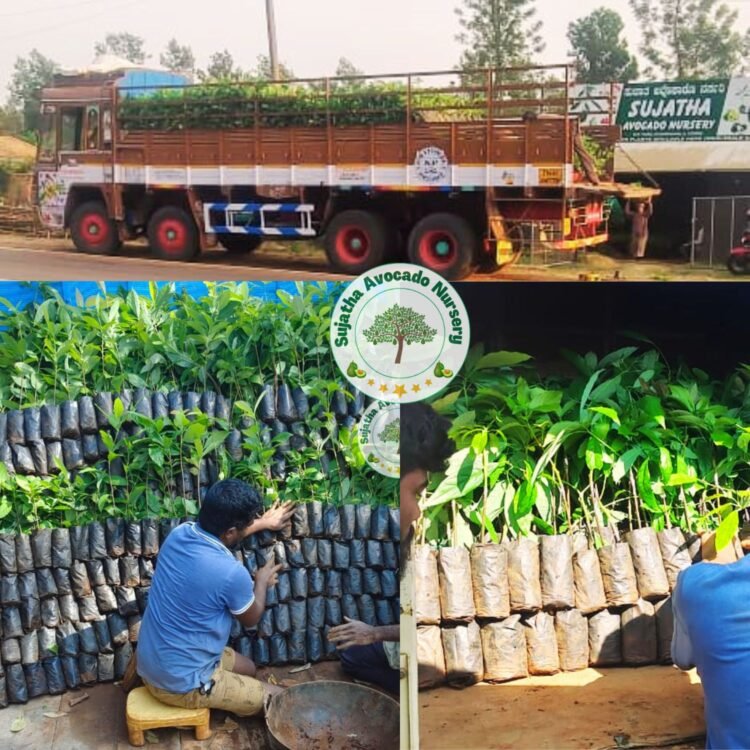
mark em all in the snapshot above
pixel 593 709
pixel 98 723
pixel 23 257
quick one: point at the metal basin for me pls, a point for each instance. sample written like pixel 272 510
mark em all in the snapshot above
pixel 330 715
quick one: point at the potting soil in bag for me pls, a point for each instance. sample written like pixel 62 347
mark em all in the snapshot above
pixel 31 424
pixel 296 647
pixel 283 588
pixel 129 573
pixel 281 620
pixel 366 607
pixel 261 652
pixel 36 680
pixel 96 573
pixel 371 582
pixel 271 597
pixel 394 524
pixel 90 446
pixel 300 526
pixel 122 658
pixel 87 641
pixel 50 612
pixel 88 668
pixel 69 608
pixel 298 614
pixel 49 422
pixel 31 614
pixel 87 415
pixel 114 531
pixel 118 628
pixel 430 656
pixel 126 601
pixel 456 594
pixel 106 667
pixel 150 537
pixel 353 582
pixel 462 646
pixel 647 562
pixel 9 594
pixel 379 523
pixel 363 521
pixel 145 569
pixel 279 653
pixel 314 644
pixel 489 577
pixel 356 553
pixel 389 583
pixel 233 444
pixel 38 451
pixel 605 639
pixel 333 612
pixel 315 518
pixel 67 639
pixel 618 575
pixel 79 580
pixel 349 607
pixel 88 609
pixel 390 555
pixel 374 554
pixel 523 575
pixel 134 628
pixel 572 632
pixel 22 459
pixel 16 435
pixel 29 648
pixel 105 599
pixel 24 558
pixel 427 584
pixel 325 554
pixel 11 651
pixel 11 619
pixel 331 521
pixel 159 406
pixel 639 644
pixel 333 584
pixel 97 541
pixel 79 542
pixel 383 612
pixel 62 554
pixel 45 582
pixel 674 553
pixel 103 408
pixel 54 458
pixel 280 555
pixel 316 611
pixel 72 453
pixel 111 571
pixel 664 629
pixel 208 403
pixel 15 683
pixel 47 639
pixel 541 644
pixel 133 538
pixel 71 671
pixel 192 403
pixel 7 554
pixel 27 585
pixel 294 555
pixel 348 521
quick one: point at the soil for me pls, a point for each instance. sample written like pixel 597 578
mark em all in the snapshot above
pixel 595 709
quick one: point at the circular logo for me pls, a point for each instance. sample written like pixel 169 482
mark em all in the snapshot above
pixel 432 164
pixel 400 333
pixel 380 437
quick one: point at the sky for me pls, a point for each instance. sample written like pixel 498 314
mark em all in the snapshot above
pixel 378 36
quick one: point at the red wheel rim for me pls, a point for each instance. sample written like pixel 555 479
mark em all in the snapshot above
pixel 437 249
pixel 95 229
pixel 352 244
pixel 172 235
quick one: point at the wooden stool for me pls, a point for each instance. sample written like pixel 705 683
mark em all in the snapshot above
pixel 145 712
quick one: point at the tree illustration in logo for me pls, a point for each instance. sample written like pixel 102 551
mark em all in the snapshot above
pixel 399 325
pixel 391 433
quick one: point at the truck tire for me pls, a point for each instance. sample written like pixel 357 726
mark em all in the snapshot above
pixel 446 244
pixel 356 241
pixel 172 234
pixel 93 231
pixel 239 244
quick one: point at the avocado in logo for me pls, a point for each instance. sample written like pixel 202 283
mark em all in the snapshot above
pixel 380 438
pixel 400 333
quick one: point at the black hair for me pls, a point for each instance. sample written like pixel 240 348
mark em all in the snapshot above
pixel 229 503
pixel 424 439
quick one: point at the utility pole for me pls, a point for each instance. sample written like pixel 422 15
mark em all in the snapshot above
pixel 273 50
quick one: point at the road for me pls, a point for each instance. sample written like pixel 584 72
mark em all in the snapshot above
pixel 26 258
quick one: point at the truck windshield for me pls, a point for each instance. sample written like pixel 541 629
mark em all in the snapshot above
pixel 47 138
pixel 71 130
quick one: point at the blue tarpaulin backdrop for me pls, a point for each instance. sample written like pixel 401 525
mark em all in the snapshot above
pixel 21 294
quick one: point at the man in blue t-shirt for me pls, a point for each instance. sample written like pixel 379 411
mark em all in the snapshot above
pixel 197 590
pixel 711 604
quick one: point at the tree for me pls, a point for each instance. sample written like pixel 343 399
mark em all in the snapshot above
pixel 399 325
pixel 264 72
pixel 125 45
pixel 691 38
pixel 498 33
pixel 178 58
pixel 391 433
pixel 221 68
pixel 30 76
pixel 602 55
pixel 11 120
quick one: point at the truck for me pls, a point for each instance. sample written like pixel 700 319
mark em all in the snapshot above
pixel 450 171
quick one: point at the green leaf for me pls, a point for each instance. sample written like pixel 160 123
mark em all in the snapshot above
pixel 727 530
pixel 645 490
pixel 607 412
pixel 194 432
pixel 651 406
pixel 18 724
pixel 443 405
pixel 586 393
pixel 479 442
pixel 625 463
pixel 117 408
pixel 501 359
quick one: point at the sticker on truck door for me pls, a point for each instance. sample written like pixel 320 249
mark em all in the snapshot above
pixel 53 194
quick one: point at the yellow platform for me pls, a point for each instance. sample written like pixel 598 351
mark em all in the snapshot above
pixel 145 712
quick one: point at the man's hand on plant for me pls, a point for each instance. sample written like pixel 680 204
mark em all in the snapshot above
pixel 277 517
pixel 352 633
pixel 268 574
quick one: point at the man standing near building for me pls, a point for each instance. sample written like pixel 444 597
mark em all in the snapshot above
pixel 640 217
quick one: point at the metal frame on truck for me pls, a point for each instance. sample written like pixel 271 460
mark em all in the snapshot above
pixel 450 170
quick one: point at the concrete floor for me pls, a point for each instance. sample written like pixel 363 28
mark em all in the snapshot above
pixel 593 709
pixel 99 722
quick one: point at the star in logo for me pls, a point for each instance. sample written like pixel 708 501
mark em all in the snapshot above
pixel 399 391
pixel 370 382
pixel 416 388
pixel 384 388
pixel 428 382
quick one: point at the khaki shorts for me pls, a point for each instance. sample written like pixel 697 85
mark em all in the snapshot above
pixel 232 692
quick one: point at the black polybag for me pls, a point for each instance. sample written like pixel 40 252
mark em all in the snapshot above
pixel 105 599
pixel 340 555
pixel 70 426
pixel 315 518
pixel 88 609
pixel 87 415
pixel 103 636
pixel 49 422
pixel 150 537
pixel 88 668
pixel 325 553
pixel 363 514
pixel 349 607
pixel 111 571
pixel 11 651
pixel 146 569
pixel 47 639
pixel 605 639
pixel 390 555
pixel 352 582
pixel 315 581
pixel 265 624
pixel 72 453
pixel 106 667
pixel 9 591
pixel 300 526
pixel 122 658
pixel 54 457
pixel 286 410
pixel 87 641
pixel 463 654
pixel 15 682
pixel 97 541
pixel 293 553
pixel 297 647
pixel 11 619
pixel 38 451
pixel 674 552
pixel 15 427
pixel 389 583
pixel 71 671
pixel 664 629
pixel 7 554
pixel 279 551
pixel 69 608
pixel 31 614
pixel 55 677
pixel 23 460
pixel 103 408
pixel 267 405
pixel 333 611
pixel 310 552
pixel 36 679
pixel 283 588
pixel 133 538
pixel 29 648
pixel 298 614
pixel 281 620
pixel 371 582
pixel 348 521
pixel 62 553
pixel 67 639
pixel 79 542
pixel 24 558
pixel 279 653
pixel 129 574
pixel 366 608
pixel 79 580
pixel 331 521
pixel 45 582
pixel 316 614
pixel 134 628
pixel 159 406
pixel 6 458
pixel 261 652
pixel 357 553
pixel 126 601
pixel 27 585
pixel 114 529
pixel 50 612
pixel 96 573
pixel 384 612
pixel 374 554
pixel 333 583
pixel 90 445
pixel 32 424
pixel 118 628
pixel 166 527
pixel 141 595
pixel 298 582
